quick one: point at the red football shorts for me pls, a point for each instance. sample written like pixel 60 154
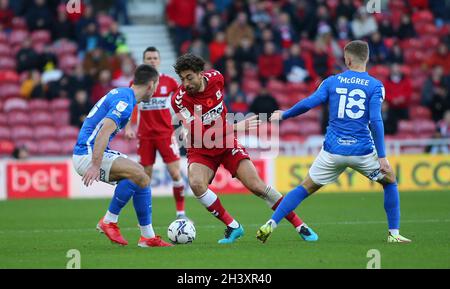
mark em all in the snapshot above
pixel 167 147
pixel 229 158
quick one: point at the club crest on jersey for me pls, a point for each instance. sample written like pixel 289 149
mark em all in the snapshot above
pixel 121 106
pixel 218 94
pixel 212 114
pixel 164 89
pixel 186 114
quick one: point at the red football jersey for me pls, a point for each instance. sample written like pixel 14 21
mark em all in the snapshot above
pixel 154 118
pixel 205 108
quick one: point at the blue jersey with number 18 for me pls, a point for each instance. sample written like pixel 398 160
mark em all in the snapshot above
pixel 117 105
pixel 350 95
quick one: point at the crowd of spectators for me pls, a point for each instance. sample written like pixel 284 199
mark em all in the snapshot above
pixel 49 54
pixel 274 53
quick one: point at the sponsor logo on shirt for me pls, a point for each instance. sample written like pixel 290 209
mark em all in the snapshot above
pixel 155 103
pixel 116 113
pixel 347 141
pixel 212 114
pixel 121 106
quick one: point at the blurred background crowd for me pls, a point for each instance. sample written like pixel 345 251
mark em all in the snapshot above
pixel 55 65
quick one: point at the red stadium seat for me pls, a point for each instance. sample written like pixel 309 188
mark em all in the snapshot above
pixel 9 90
pixel 49 147
pixel 310 128
pixel 60 104
pixel 6 147
pixel 120 145
pixel 104 21
pixel 5 133
pixel 18 118
pixel 67 146
pixel 31 145
pixel 276 86
pixel 3 38
pixel 15 104
pixel 39 105
pixel 251 86
pixel 419 113
pixel 68 132
pixel 302 87
pixel 3 119
pixel 64 47
pixel 9 76
pixel 67 63
pixel 39 118
pixel 41 36
pixel 61 118
pixel 405 127
pixel 422 17
pixel 425 126
pixel 293 138
pixel 289 127
pixel 45 132
pixel 7 63
pixel 380 71
pixel 19 23
pixel 5 50
pixel 250 73
pixel 18 37
pixel 22 132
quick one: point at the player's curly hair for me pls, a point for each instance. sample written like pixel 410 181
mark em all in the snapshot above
pixel 189 61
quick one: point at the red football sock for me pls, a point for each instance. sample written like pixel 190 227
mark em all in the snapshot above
pixel 291 217
pixel 178 194
pixel 220 213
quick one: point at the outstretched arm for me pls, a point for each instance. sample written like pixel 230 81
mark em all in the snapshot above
pixel 317 98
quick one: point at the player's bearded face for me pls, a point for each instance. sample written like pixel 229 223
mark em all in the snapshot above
pixel 191 81
pixel 152 88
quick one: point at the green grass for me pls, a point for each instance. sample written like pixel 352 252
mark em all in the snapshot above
pixel 38 234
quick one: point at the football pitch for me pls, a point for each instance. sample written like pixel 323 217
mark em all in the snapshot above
pixel 39 234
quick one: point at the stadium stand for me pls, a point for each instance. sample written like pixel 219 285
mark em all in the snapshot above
pixel 411 34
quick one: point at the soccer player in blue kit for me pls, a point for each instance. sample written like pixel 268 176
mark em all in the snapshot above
pixel 355 127
pixel 94 160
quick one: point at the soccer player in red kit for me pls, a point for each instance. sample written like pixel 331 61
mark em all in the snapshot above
pixel 155 131
pixel 199 104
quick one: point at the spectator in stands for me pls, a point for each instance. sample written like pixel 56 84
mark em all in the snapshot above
pixel 235 99
pixel 286 31
pixel 63 28
pixel 198 47
pixel 364 24
pixel 6 15
pixel 264 102
pixel 346 8
pixel 39 90
pixel 47 59
pixel 113 39
pixel 270 63
pixel 213 26
pixel 245 54
pixel 79 108
pixel 79 80
pixel 322 18
pixel 120 12
pixel 217 47
pixel 90 39
pixel 32 78
pixel 436 93
pixel 378 50
pixel 20 153
pixel 259 14
pixel 385 28
pixel 126 74
pixel 399 93
pixel 343 30
pixel 442 131
pixel 102 87
pixel 320 61
pixel 441 57
pixel 96 61
pixel 441 11
pixel 389 119
pixel 294 65
pixel 406 28
pixel 39 16
pixel 238 30
pixel 395 54
pixel 87 18
pixel 181 19
pixel 27 58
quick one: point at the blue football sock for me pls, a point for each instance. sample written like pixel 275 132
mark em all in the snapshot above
pixel 142 202
pixel 392 205
pixel 289 203
pixel 125 189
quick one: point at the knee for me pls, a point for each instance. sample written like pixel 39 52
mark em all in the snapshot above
pixel 175 175
pixel 141 179
pixel 389 178
pixel 149 170
pixel 198 186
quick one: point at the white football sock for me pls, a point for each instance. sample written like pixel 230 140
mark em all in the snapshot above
pixel 180 213
pixel 271 196
pixel 208 198
pixel 234 224
pixel 394 232
pixel 110 218
pixel 272 223
pixel 147 231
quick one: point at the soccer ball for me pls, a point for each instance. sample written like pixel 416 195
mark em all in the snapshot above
pixel 181 231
